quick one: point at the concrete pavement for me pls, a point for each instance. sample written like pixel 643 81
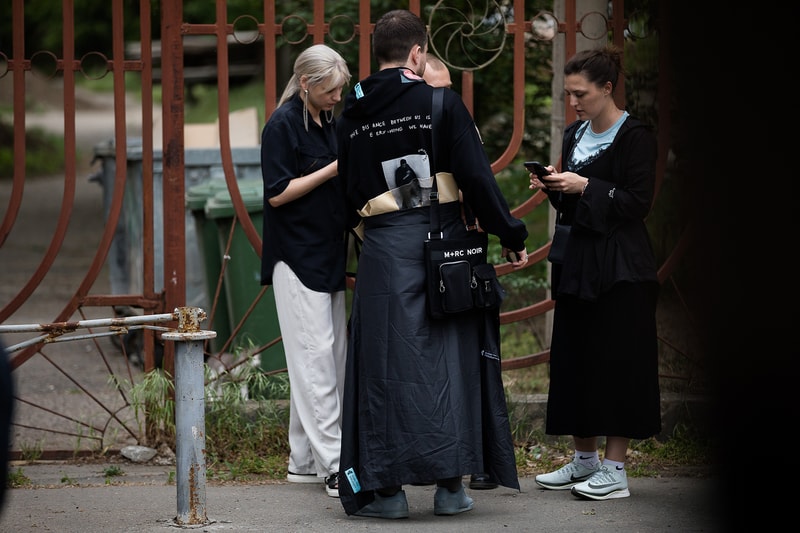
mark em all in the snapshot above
pixel 79 498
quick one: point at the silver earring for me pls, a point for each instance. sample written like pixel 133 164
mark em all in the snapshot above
pixel 305 109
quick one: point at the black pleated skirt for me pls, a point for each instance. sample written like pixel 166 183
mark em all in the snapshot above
pixel 604 365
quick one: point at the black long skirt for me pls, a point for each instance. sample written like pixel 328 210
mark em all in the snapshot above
pixel 604 365
pixel 418 392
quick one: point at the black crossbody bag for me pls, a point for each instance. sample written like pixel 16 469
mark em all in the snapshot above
pixel 458 277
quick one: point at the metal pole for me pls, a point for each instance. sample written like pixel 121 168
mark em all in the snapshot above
pixel 190 421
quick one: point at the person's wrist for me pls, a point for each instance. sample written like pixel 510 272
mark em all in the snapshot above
pixel 584 187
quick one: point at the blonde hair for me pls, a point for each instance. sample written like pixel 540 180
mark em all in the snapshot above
pixel 319 63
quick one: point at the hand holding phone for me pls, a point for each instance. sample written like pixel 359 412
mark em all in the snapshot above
pixel 537 168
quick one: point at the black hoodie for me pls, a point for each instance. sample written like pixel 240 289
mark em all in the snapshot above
pixel 387 116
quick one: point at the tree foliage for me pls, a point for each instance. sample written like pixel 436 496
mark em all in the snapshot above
pixel 477 43
pixel 43 30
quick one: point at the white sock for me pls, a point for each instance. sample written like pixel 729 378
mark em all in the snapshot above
pixel 613 465
pixel 587 459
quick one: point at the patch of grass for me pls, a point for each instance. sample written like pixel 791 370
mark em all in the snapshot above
pixel 18 479
pixel 113 471
pixel 245 436
pixel 529 380
pixel 538 453
pixel 31 452
pixel 152 399
pixel 640 470
pixel 685 447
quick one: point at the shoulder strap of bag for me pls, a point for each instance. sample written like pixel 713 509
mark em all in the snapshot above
pixel 559 212
pixel 436 118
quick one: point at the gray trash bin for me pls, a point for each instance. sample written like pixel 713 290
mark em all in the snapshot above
pixel 243 273
pixel 125 260
pixel 117 259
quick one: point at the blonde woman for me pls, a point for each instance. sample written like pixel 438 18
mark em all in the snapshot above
pixel 303 258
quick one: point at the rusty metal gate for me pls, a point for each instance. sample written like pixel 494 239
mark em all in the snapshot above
pixel 67 398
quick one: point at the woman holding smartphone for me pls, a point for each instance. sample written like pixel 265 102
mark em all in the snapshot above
pixel 603 355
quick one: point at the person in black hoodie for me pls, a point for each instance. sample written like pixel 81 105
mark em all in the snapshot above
pixel 438 75
pixel 604 351
pixel 415 400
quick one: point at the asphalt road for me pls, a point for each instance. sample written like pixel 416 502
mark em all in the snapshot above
pixel 70 498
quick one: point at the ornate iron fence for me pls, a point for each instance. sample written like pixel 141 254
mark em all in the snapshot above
pixel 144 240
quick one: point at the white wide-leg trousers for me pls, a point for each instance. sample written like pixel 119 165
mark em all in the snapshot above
pixel 314 332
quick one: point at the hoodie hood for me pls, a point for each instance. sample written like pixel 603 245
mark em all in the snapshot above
pixel 379 92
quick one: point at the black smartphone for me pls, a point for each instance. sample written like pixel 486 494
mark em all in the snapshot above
pixel 537 168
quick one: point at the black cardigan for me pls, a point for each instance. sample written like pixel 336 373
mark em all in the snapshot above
pixel 609 241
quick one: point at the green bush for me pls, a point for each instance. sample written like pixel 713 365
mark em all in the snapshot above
pixel 44 152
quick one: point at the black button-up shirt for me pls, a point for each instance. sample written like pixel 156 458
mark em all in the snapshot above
pixel 309 232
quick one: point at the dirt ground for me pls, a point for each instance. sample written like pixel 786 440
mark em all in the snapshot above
pixel 35 225
pixel 66 386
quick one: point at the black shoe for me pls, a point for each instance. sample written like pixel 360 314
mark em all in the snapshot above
pixel 332 485
pixel 449 503
pixel 395 506
pixel 481 481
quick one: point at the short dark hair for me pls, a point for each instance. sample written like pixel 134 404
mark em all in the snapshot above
pixel 396 33
pixel 599 65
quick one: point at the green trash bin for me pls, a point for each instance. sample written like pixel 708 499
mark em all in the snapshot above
pixel 208 243
pixel 242 275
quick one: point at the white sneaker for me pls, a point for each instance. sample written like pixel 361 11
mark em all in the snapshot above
pixel 606 484
pixel 566 476
pixel 291 477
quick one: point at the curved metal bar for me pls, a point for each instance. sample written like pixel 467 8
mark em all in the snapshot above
pixel 513 34
pixel 525 360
